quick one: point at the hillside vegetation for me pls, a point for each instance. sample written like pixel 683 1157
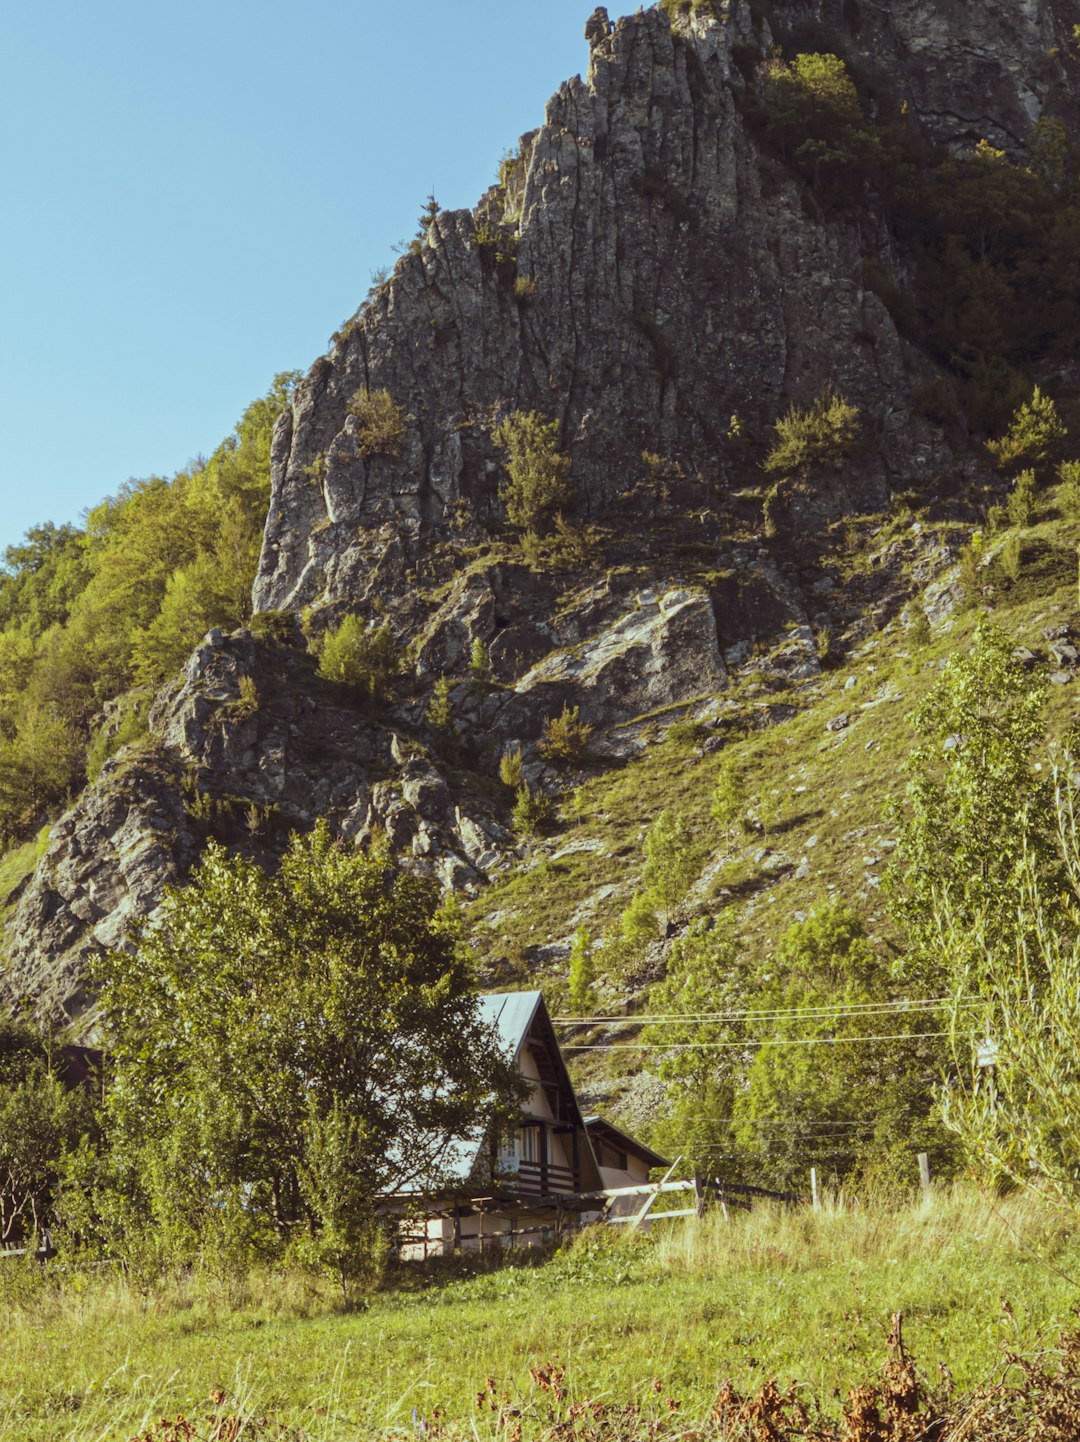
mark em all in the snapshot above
pixel 94 618
pixel 660 1324
pixel 666 584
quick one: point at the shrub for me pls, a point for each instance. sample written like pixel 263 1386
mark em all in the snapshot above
pixel 1011 559
pixel 676 9
pixel 277 628
pixel 533 811
pixel 1034 435
pixel 730 799
pixel 479 665
pixel 246 702
pixel 919 632
pixel 510 772
pixel 1021 503
pixel 566 737
pixel 536 469
pixel 439 713
pixel 362 657
pixel 582 972
pixel 380 422
pixel 1068 496
pixel 824 435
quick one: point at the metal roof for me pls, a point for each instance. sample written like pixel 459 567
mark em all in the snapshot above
pixel 511 1014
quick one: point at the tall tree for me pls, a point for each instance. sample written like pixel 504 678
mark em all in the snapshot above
pixel 271 1028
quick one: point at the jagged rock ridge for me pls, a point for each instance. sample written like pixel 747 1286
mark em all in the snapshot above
pixel 644 272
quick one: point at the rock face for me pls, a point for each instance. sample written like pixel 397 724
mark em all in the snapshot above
pixel 971 72
pixel 644 273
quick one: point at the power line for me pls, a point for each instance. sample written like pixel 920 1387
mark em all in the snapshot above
pixel 751 1041
pixel 875 1008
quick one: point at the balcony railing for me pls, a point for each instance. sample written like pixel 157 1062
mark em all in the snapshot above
pixel 530 1176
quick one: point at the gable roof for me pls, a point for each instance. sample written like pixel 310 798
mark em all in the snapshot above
pixel 511 1014
pixel 605 1131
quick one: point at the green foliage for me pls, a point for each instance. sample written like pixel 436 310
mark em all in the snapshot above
pixel 130 727
pixel 1068 496
pixel 730 799
pixel 362 657
pixel 582 972
pixel 284 1049
pixel 41 1121
pixel 274 628
pixel 919 633
pixel 825 435
pixel 1033 437
pixel 671 859
pixel 566 738
pixel 810 109
pixel 842 1105
pixel 767 1076
pixel 681 9
pixel 1015 1091
pixel 380 423
pixel 510 768
pixel 533 812
pixel 439 713
pixel 1023 499
pixel 479 665
pixel 85 614
pixel 705 976
pixel 536 470
pixel 972 797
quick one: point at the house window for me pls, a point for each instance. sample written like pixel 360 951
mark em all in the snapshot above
pixel 529 1144
pixel 615 1158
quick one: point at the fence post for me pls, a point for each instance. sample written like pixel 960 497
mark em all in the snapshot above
pixel 924 1171
pixel 699 1194
pixel 815 1196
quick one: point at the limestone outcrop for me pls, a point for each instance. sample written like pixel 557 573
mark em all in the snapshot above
pixel 652 277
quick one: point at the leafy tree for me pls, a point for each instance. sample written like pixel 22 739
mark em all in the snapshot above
pixel 1015 1093
pixel 479 665
pixel 268 1032
pixel 1021 503
pixel 511 772
pixel 40 1122
pixel 533 811
pixel 823 1095
pixel 702 1063
pixel 730 799
pixel 362 657
pixel 971 797
pixel 536 470
pixel 582 972
pixel 671 859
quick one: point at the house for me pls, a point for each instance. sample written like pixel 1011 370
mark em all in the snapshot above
pixel 623 1160
pixel 548 1174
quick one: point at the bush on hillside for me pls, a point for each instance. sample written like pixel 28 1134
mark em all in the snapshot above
pixel 536 470
pixel 380 422
pixel 824 435
pixel 360 656
pixel 566 737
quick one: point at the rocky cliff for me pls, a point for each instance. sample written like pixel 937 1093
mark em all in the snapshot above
pixel 646 270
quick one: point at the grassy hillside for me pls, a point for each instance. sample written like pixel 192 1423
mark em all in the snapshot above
pixel 800 1296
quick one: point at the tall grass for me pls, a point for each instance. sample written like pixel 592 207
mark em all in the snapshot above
pixel 638 1323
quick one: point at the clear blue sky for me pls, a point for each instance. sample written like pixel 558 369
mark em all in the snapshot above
pixel 195 195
